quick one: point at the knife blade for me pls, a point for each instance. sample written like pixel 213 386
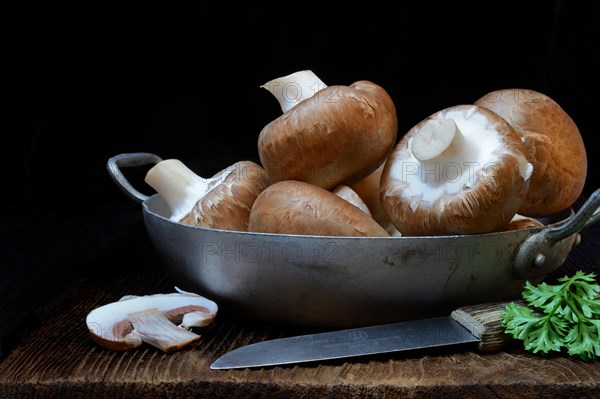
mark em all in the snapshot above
pixel 480 325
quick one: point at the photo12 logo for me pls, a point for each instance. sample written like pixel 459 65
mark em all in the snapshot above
pixel 449 252
pixel 447 172
pixel 518 96
pixel 293 92
pixel 271 252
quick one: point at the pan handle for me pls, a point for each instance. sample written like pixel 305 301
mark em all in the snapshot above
pixel 128 160
pixel 596 213
pixel 547 249
pixel 588 214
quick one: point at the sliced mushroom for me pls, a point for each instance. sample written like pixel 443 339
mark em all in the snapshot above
pixel 295 207
pixel 221 202
pixel 327 135
pixel 463 170
pixel 161 320
pixel 554 147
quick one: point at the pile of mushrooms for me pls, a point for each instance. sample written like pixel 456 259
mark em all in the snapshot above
pixel 498 164
pixel 332 164
pixel 328 138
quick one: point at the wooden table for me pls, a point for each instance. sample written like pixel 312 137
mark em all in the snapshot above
pixel 54 356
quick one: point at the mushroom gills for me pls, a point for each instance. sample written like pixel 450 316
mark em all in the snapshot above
pixel 450 155
pixel 463 170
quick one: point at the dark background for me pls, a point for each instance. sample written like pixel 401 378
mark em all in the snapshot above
pixel 85 84
pixel 185 83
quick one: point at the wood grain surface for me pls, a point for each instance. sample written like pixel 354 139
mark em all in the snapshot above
pixel 60 360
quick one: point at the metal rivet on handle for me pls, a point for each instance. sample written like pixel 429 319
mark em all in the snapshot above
pixel 539 259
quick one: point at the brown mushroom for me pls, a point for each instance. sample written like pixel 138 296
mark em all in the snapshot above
pixel 554 147
pixel 327 135
pixel 161 320
pixel 462 170
pixel 295 207
pixel 221 202
pixel 519 222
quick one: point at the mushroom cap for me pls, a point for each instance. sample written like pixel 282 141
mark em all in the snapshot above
pixel 295 207
pixel 554 147
pixel 227 205
pixel 337 136
pixel 478 194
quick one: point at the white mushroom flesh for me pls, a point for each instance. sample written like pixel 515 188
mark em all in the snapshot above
pixel 195 319
pixel 291 89
pixel 179 186
pixel 155 329
pixel 448 155
pixel 345 192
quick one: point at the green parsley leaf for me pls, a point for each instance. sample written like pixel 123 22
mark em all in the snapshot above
pixel 564 316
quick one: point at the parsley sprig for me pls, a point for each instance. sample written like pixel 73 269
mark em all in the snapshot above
pixel 564 316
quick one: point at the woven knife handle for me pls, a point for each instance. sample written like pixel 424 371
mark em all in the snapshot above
pixel 485 322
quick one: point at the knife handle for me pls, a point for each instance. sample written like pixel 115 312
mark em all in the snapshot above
pixel 485 322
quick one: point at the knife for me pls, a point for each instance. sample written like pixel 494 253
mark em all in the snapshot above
pixel 479 325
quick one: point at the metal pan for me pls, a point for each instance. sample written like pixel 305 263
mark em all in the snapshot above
pixel 351 281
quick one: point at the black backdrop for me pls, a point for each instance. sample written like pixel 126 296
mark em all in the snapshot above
pixel 184 83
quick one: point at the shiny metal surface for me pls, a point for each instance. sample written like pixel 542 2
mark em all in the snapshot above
pixel 384 338
pixel 355 281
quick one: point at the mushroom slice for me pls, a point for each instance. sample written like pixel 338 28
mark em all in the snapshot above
pixel 221 202
pixel 153 319
pixel 295 207
pixel 463 170
pixel 327 135
pixel 554 147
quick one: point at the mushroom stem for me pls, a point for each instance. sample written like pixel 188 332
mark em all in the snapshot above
pixel 437 139
pixel 156 330
pixel 439 145
pixel 291 89
pixel 179 186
